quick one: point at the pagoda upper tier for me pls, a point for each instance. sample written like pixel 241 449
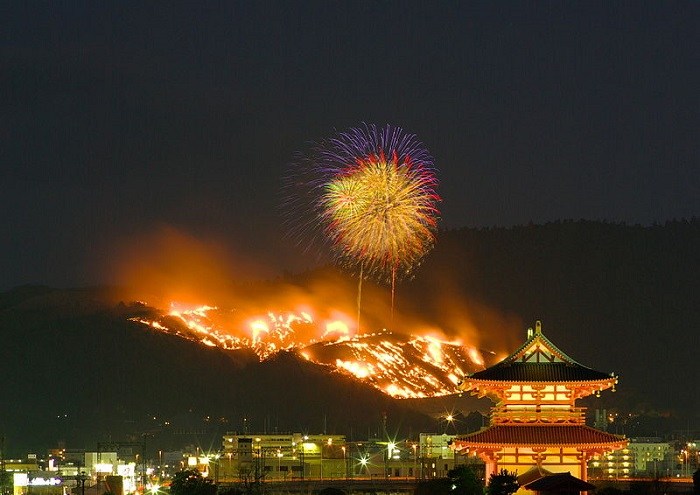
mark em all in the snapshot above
pixel 535 374
pixel 535 421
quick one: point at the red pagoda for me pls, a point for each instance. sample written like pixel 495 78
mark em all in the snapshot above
pixel 535 424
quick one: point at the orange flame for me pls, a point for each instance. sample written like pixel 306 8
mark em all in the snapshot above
pixel 215 308
pixel 401 366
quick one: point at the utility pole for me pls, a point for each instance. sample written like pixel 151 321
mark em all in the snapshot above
pixel 143 455
pixel 3 472
pixel 81 479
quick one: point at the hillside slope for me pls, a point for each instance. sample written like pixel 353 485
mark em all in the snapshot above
pixel 76 370
pixel 618 298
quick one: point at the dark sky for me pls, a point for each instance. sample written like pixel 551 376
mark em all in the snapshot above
pixel 118 117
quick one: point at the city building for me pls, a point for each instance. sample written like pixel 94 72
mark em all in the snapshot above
pixel 294 456
pixel 617 464
pixel 535 424
pixel 643 457
pixel 650 456
pixel 100 463
pixel 282 457
pixel 436 455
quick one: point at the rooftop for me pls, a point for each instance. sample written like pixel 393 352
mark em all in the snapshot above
pixel 539 360
pixel 539 435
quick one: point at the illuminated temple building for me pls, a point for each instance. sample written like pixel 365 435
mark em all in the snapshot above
pixel 535 425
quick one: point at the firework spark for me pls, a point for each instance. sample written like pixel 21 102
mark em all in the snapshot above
pixel 381 213
pixel 371 193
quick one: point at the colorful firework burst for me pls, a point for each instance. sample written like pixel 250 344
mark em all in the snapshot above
pixel 381 213
pixel 372 194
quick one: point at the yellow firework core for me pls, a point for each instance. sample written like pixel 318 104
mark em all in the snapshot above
pixel 381 213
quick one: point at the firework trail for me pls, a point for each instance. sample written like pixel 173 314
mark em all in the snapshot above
pixel 371 192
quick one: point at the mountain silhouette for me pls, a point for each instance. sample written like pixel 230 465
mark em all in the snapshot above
pixel 615 297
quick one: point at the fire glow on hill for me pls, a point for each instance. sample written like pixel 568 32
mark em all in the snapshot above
pixel 432 345
pixel 403 366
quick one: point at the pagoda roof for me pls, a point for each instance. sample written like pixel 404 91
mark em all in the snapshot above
pixel 539 360
pixel 534 473
pixel 539 372
pixel 560 483
pixel 540 436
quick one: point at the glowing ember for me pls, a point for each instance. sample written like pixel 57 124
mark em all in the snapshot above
pixel 337 327
pixel 399 365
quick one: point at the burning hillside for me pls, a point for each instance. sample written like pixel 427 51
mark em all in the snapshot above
pixel 403 366
pixel 324 316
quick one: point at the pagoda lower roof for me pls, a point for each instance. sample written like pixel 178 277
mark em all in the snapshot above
pixel 538 436
pixel 538 372
pixel 559 483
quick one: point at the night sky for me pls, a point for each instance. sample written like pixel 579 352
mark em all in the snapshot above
pixel 118 118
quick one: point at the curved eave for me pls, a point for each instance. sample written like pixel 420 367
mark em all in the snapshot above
pixel 539 372
pixel 610 381
pixel 580 437
pixel 613 445
pixel 489 387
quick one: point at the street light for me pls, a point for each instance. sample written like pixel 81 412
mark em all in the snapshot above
pixel 415 447
pixel 301 459
pixel 345 462
pixel 137 463
pixel 690 446
pixel 449 420
pixel 279 463
pixel 686 472
pixel 81 479
pixel 364 459
pixel 217 456
pixel 258 469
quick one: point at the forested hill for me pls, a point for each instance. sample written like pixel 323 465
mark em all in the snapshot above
pixel 618 298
